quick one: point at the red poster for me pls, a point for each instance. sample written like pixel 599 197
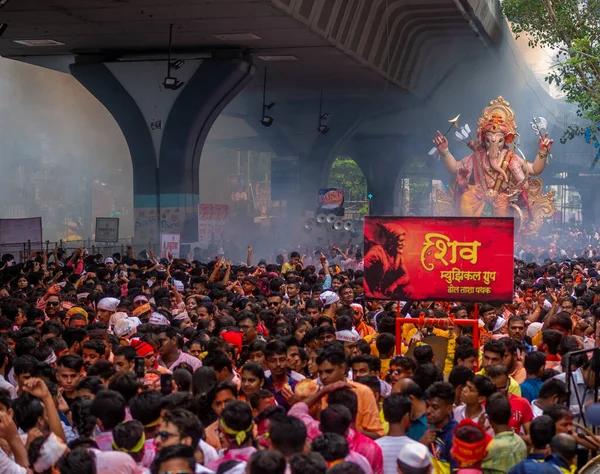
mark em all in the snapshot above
pixel 439 258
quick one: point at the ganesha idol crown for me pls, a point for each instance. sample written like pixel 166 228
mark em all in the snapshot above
pixel 498 117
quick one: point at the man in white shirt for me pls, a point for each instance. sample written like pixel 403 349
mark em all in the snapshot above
pixel 581 392
pixel 553 391
pixel 9 432
pixel 396 410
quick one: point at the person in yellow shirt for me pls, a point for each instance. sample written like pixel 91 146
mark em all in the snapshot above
pixel 386 346
pixel 385 324
pixel 291 265
pixel 493 353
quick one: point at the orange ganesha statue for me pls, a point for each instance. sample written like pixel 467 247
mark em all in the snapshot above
pixel 494 180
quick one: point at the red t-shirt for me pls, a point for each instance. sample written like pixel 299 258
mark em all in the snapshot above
pixel 521 412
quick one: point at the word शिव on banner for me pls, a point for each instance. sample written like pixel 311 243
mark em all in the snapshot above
pixel 443 259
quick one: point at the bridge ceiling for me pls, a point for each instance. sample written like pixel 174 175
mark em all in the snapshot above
pixel 348 43
pixel 408 42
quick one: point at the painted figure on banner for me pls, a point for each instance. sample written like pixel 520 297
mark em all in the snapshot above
pixel 494 180
pixel 385 271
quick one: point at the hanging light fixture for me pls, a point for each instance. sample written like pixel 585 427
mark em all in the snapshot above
pixel 322 128
pixel 266 120
pixel 171 82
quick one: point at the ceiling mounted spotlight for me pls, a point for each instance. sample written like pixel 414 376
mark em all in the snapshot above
pixel 321 128
pixel 171 82
pixel 266 120
pixel 177 64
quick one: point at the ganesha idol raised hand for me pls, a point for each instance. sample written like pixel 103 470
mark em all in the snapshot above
pixel 494 180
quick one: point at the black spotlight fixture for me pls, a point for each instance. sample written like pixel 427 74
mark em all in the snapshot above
pixel 177 64
pixel 266 120
pixel 171 82
pixel 322 128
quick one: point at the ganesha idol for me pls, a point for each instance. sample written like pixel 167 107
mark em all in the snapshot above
pixel 494 180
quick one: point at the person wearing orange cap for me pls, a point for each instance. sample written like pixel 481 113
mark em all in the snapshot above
pixel 469 446
pixel 76 317
pixel 142 311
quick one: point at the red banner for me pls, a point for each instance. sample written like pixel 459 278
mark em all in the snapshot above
pixel 439 258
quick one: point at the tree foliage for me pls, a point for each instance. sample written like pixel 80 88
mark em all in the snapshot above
pixel 345 174
pixel 572 27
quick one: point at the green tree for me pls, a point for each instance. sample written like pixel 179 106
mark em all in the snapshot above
pixel 345 174
pixel 572 28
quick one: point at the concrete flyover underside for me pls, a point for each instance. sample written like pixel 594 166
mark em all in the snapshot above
pixel 118 50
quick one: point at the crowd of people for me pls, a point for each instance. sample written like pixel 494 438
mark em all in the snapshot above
pixel 136 364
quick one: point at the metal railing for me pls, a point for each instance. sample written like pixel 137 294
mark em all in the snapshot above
pixel 22 250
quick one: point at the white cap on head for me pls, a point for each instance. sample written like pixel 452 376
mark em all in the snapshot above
pixel 347 335
pixel 117 317
pixel 500 323
pixel 159 320
pixel 108 260
pixel 415 455
pixel 181 316
pixel 328 297
pixel 125 327
pixel 108 304
pixel 533 329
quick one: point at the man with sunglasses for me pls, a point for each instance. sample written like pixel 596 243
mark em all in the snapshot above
pixel 52 307
pixel 274 302
pixel 179 427
pixel 247 323
pixel 401 367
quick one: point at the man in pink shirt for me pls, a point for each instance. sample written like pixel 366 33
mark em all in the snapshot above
pixel 236 425
pixel 339 418
pixel 109 409
pixel 169 354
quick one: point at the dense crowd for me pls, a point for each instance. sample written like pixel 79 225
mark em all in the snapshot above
pixel 135 364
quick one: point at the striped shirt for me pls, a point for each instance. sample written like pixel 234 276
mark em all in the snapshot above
pixel 390 447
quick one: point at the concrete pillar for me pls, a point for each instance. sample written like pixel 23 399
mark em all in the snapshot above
pixel 382 160
pixel 590 206
pixel 165 130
